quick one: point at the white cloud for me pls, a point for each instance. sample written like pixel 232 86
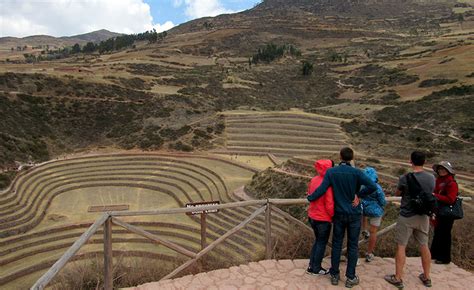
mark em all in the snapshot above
pixel 202 8
pixel 69 17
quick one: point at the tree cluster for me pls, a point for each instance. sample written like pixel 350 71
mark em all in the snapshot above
pixel 273 51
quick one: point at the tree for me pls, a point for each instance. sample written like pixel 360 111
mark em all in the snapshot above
pixel 89 47
pixel 76 48
pixel 460 19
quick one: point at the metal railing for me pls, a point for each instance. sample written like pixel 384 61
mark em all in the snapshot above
pixel 112 218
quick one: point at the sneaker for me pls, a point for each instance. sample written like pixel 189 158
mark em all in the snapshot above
pixel 323 271
pixel 441 262
pixel 369 257
pixel 424 280
pixel 394 281
pixel 352 282
pixel 334 279
pixel 309 271
pixel 365 235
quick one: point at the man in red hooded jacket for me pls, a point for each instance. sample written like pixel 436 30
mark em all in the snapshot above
pixel 320 213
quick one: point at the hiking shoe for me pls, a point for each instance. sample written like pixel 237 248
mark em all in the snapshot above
pixel 441 262
pixel 309 271
pixel 369 257
pixel 321 271
pixel 365 235
pixel 334 279
pixel 352 282
pixel 394 281
pixel 424 280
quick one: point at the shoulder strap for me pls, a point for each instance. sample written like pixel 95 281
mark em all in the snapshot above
pixel 414 186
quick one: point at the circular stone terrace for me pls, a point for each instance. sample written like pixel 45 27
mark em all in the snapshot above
pixel 290 274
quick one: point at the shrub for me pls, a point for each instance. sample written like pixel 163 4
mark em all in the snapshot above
pixel 435 82
pixel 307 68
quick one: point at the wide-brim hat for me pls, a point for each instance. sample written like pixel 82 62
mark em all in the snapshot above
pixel 446 165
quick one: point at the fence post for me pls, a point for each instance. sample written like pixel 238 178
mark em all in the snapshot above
pixel 108 266
pixel 203 230
pixel 268 231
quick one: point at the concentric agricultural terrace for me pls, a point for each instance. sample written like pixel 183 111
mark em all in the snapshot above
pixel 47 209
pixel 282 133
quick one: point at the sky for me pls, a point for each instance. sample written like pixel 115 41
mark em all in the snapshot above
pixel 20 18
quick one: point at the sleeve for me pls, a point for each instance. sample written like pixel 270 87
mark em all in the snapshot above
pixel 381 196
pixel 451 191
pixel 370 186
pixel 321 189
pixel 329 202
pixel 402 183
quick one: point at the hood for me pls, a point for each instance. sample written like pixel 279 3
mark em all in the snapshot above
pixel 322 166
pixel 371 173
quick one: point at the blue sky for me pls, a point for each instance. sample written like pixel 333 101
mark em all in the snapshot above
pixel 21 18
pixel 175 10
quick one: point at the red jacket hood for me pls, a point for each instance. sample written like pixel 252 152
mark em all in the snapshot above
pixel 322 166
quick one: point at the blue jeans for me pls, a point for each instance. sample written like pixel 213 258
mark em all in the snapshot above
pixel 352 224
pixel 321 233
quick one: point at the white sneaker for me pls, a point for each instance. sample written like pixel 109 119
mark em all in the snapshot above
pixel 369 257
pixel 365 235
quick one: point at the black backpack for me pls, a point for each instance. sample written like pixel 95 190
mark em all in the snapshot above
pixel 422 203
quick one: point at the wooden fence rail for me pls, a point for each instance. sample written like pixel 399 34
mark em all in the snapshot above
pixel 266 206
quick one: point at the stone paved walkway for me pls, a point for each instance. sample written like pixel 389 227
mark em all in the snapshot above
pixel 288 274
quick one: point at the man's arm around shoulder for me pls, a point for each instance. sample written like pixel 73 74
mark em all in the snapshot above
pixel 321 189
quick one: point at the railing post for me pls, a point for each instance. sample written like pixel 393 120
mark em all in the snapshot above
pixel 108 263
pixel 203 230
pixel 268 231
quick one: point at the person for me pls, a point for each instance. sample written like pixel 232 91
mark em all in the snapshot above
pixel 320 213
pixel 410 223
pixel 345 181
pixel 372 211
pixel 446 191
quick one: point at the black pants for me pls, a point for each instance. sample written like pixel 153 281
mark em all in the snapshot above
pixel 441 245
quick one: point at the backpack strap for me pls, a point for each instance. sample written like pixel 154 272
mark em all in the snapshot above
pixel 414 186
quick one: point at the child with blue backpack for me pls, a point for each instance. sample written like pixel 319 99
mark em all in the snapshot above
pixel 372 211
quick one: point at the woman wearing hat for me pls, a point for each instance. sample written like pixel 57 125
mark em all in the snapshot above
pixel 446 191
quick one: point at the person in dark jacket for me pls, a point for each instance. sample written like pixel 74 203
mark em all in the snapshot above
pixel 320 213
pixel 346 182
pixel 446 191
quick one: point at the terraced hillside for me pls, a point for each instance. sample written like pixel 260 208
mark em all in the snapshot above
pixel 47 209
pixel 388 170
pixel 282 133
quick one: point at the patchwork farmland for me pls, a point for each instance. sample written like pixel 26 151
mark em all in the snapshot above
pixel 47 209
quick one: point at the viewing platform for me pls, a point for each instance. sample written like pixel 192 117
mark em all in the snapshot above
pixel 290 274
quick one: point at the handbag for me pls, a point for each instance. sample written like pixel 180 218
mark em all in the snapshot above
pixel 453 211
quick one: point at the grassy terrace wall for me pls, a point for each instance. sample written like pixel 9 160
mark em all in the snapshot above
pixel 45 210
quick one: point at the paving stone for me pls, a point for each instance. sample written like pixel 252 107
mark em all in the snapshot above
pixel 280 284
pixel 268 264
pixel 285 264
